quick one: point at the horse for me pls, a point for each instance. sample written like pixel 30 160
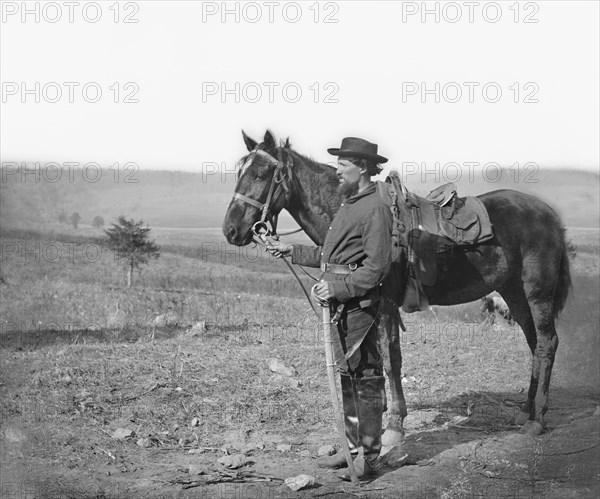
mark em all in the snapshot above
pixel 525 261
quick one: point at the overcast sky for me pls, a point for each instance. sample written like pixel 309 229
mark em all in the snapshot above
pixel 368 65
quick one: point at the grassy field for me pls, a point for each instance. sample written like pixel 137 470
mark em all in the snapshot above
pixel 82 356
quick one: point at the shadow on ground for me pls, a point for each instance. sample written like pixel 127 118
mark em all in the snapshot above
pixel 482 456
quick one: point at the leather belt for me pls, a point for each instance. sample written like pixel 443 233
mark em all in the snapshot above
pixel 334 268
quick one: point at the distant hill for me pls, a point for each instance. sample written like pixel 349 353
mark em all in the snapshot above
pixel 191 200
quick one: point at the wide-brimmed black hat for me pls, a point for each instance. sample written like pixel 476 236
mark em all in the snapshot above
pixel 358 148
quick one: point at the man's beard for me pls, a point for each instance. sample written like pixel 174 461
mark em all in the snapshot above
pixel 347 189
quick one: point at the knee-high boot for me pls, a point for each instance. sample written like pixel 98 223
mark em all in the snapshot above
pixel 349 397
pixel 370 411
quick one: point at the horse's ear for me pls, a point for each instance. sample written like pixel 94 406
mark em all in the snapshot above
pixel 250 143
pixel 269 140
pixel 287 143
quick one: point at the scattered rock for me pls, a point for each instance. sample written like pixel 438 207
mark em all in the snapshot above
pixel 300 482
pixel 121 433
pixel 284 447
pixel 597 413
pixel 195 422
pixel 279 367
pixel 144 442
pixel 233 462
pixel 457 420
pixel 197 329
pixel 304 453
pixel 294 383
pixel 168 319
pixel 14 435
pixel 275 438
pixel 194 469
pixel 326 450
pixel 249 447
pixel 196 451
pixel 490 474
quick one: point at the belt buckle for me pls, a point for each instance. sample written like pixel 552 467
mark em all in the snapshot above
pixel 323 267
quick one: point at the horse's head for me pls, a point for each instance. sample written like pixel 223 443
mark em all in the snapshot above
pixel 262 188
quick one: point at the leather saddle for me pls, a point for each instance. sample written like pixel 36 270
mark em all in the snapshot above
pixel 439 222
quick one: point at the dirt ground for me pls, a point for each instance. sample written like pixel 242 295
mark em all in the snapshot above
pixel 444 461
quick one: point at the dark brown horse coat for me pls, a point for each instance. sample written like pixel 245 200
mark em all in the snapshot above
pixel 526 262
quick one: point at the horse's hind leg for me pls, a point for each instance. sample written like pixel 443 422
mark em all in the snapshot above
pixel 389 342
pixel 543 359
pixel 514 296
pixel 532 307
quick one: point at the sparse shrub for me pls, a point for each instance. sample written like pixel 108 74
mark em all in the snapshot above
pixel 75 219
pixel 130 242
pixel 98 222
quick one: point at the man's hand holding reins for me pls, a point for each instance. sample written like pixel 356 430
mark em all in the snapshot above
pixel 279 249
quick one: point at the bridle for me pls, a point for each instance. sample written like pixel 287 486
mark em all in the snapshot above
pixel 279 185
pixel 261 233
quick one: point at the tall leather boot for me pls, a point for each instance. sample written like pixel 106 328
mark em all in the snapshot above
pixel 349 396
pixel 370 411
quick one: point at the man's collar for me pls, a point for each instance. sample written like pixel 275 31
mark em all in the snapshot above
pixel 365 192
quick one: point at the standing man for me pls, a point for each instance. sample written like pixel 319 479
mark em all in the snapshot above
pixel 355 258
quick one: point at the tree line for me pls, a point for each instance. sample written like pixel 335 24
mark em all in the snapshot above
pixel 75 218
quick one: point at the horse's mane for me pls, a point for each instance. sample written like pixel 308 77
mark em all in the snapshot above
pixel 311 163
pixel 307 160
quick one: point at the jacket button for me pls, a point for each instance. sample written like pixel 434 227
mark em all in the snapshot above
pixel 329 228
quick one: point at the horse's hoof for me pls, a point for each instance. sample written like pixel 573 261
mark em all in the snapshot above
pixel 392 438
pixel 532 428
pixel 521 418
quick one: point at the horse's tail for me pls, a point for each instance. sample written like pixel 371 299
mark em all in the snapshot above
pixel 564 282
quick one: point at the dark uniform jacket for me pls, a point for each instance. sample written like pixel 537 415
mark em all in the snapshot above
pixel 360 233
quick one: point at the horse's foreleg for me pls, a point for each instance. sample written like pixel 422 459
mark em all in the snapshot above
pixel 389 342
